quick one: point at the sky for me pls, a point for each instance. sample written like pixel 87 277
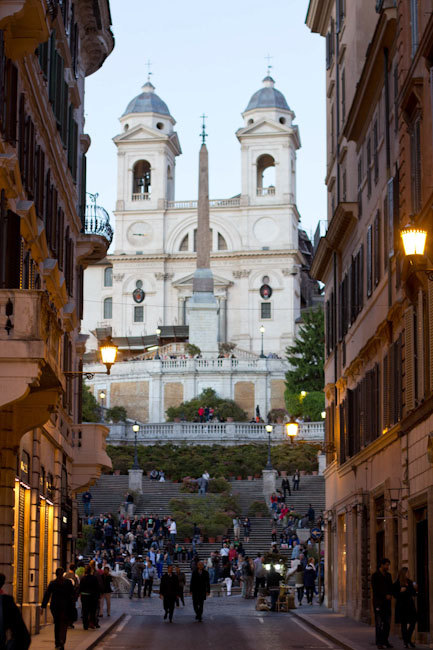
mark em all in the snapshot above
pixel 211 57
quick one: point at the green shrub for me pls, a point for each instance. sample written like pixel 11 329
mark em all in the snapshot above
pixel 116 414
pixel 258 508
pixel 83 542
pixel 218 485
pixel 210 513
pixel 223 408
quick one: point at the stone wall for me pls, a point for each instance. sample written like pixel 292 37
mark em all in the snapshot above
pixel 278 386
pixel 173 394
pixel 134 396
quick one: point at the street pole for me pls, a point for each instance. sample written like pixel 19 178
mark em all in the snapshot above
pixel 262 331
pixel 269 463
pixel 136 429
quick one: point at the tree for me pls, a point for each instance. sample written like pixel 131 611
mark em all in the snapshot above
pixel 223 408
pixel 307 355
pixel 91 409
pixel 116 414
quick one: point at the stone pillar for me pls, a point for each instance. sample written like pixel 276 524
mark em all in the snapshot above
pixel 269 483
pixel 8 463
pixel 135 480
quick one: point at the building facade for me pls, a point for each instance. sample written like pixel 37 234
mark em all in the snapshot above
pixel 46 241
pixel 378 306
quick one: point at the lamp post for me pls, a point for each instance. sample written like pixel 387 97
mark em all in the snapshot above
pixel 102 398
pixel 108 351
pixel 262 331
pixel 158 334
pixel 136 429
pixel 269 428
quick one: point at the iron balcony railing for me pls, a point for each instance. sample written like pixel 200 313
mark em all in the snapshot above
pixel 97 222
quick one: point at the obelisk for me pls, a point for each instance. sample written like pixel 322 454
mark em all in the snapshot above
pixel 203 307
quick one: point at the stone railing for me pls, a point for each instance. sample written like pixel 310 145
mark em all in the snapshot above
pixel 212 364
pixel 266 191
pixel 140 196
pixel 213 203
pixel 223 433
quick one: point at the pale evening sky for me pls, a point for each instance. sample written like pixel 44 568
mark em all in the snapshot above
pixel 210 57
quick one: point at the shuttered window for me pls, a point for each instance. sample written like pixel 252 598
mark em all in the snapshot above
pixel 376 151
pixel 360 186
pixel 369 261
pixel 420 343
pixel 10 246
pixel 409 359
pixel 368 168
pixel 415 155
pixel 376 249
pixel 430 333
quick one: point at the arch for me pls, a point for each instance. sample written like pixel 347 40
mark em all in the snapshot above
pixel 184 244
pixel 108 276
pixel 141 177
pixel 222 244
pixel 265 173
pixel 108 308
pixel 228 231
pixel 169 172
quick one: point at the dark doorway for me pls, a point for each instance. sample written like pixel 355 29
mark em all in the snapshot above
pixel 422 569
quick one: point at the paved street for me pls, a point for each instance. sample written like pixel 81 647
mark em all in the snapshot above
pixel 228 623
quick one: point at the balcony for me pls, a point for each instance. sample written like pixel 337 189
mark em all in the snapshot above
pixel 223 433
pixel 25 24
pixel 213 203
pixel 30 372
pixel 97 235
pixel 141 196
pixel 266 191
pixel 89 454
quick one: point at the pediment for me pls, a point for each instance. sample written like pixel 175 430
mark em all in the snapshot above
pixel 140 132
pixel 187 280
pixel 264 126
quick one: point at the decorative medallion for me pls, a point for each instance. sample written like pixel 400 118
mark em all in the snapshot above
pixel 265 291
pixel 138 295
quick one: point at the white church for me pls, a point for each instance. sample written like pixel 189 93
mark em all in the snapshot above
pixel 259 260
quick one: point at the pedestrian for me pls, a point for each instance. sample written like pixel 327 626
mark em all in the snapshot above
pixel 106 580
pixel 12 625
pixel 148 577
pixel 296 480
pixel 181 578
pixel 273 580
pixel 61 596
pixel 206 477
pixel 169 592
pixel 259 574
pixel 87 498
pixel 310 575
pixel 405 610
pixel 381 584
pixel 199 588
pixel 72 576
pixel 227 575
pixel 299 578
pixel 247 529
pixel 195 537
pixel 311 515
pixel 247 572
pixel 201 482
pixel 159 563
pixel 285 486
pixel 89 590
pixel 137 576
pixel 236 529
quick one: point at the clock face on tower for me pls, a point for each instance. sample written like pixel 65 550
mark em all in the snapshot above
pixel 139 234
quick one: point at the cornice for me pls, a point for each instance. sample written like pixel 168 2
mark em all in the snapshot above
pixel 172 257
pixel 318 15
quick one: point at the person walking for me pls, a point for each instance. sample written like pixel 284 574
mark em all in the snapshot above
pixel 199 588
pixel 273 580
pixel 87 498
pixel 405 610
pixel 12 625
pixel 236 529
pixel 247 529
pixel 106 584
pixel 89 591
pixel 259 574
pixel 173 532
pixel 181 577
pixel 169 592
pixel 148 577
pixel 381 584
pixel 296 480
pixel 285 486
pixel 310 575
pixel 227 573
pixel 61 596
pixel 247 573
pixel 137 576
pixel 311 515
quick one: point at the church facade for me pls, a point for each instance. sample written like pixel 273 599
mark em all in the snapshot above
pixel 259 257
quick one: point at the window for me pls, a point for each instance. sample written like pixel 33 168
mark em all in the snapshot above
pixel 108 276
pixel 360 186
pixel 376 249
pixel 184 244
pixel 376 151
pixel 265 310
pixel 330 45
pixel 369 261
pixel 414 25
pixel 108 308
pixel 395 98
pixel 343 97
pixel 265 175
pixel 138 314
pixel 222 244
pixel 142 178
pixel 368 168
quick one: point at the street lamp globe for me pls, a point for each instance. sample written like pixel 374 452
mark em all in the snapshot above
pixel 414 240
pixel 158 332
pixel 269 428
pixel 323 414
pixel 136 427
pixel 262 329
pixel 102 394
pixel 108 352
pixel 292 428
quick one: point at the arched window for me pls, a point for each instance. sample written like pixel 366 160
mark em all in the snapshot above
pixel 222 244
pixel 184 244
pixel 108 308
pixel 265 175
pixel 142 178
pixel 108 276
pixel 169 173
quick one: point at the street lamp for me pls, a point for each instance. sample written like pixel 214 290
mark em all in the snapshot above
pixel 262 331
pixel 292 428
pixel 102 398
pixel 269 428
pixel 136 429
pixel 413 240
pixel 158 334
pixel 108 351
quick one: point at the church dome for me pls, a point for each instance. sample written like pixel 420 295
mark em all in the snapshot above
pixel 268 97
pixel 147 102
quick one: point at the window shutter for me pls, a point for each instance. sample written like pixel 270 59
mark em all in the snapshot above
pixel 430 332
pixel 60 239
pixel 52 73
pixel 409 359
pixel 361 277
pixel 420 347
pixel 369 262
pixel 54 215
pixel 376 248
pixel 11 96
pixel 2 82
pixel 386 388
pixel 390 204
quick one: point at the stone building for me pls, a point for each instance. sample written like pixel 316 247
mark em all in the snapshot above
pixel 378 306
pixel 259 260
pixel 46 241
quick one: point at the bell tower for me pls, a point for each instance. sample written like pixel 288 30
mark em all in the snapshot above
pixel 147 148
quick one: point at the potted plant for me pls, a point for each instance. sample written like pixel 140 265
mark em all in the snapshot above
pixel 192 350
pixel 250 478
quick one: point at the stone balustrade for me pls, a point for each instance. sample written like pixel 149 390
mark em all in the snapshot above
pixel 213 433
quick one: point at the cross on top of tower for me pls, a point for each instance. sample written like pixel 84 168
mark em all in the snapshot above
pixel 268 58
pixel 148 66
pixel 203 133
